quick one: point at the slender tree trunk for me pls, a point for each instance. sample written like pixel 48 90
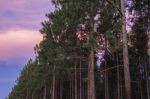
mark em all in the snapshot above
pixel 32 96
pixel 147 75
pixel 80 81
pixel 118 70
pixel 91 81
pixel 118 79
pixel 125 54
pixel 56 89
pixel 106 85
pixel 72 84
pixel 148 66
pixel 75 82
pixel 140 87
pixel 70 87
pixel 106 74
pixel 53 85
pixel 140 95
pixel 61 89
pixel 44 93
pixel 40 96
pixel 27 94
pixel 83 90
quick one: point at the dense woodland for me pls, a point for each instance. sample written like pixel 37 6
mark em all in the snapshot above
pixel 91 49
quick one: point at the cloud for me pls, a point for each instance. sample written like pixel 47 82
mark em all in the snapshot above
pixel 23 13
pixel 26 6
pixel 19 24
pixel 17 44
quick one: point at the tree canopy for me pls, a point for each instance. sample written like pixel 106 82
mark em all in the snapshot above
pixel 81 54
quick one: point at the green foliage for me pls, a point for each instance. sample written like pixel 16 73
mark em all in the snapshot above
pixel 62 53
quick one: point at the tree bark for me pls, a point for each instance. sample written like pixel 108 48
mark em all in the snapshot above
pixel 27 94
pixel 118 79
pixel 146 67
pixel 106 74
pixel 91 81
pixel 32 96
pixel 125 54
pixel 140 79
pixel 106 85
pixel 80 81
pixel 61 89
pixel 53 85
pixel 44 93
pixel 75 82
pixel 72 87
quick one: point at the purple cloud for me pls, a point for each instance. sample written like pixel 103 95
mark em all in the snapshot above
pixel 23 13
pixel 19 24
pixel 15 43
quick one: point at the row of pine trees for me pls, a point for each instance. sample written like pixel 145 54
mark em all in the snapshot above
pixel 91 49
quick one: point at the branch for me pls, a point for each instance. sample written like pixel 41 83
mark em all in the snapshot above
pixel 115 7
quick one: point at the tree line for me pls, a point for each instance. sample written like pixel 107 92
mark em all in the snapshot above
pixel 91 49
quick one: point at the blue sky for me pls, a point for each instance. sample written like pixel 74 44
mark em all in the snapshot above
pixel 8 75
pixel 19 32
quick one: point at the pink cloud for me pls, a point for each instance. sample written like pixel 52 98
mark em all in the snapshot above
pixel 23 13
pixel 16 45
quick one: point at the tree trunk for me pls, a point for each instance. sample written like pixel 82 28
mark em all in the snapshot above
pixel 148 66
pixel 72 86
pixel 27 94
pixel 118 69
pixel 53 85
pixel 106 85
pixel 106 73
pixel 75 82
pixel 140 78
pixel 125 54
pixel 140 88
pixel 147 75
pixel 44 93
pixel 32 96
pixel 61 89
pixel 91 81
pixel 80 81
pixel 118 79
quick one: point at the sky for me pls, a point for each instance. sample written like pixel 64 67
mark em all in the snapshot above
pixel 20 22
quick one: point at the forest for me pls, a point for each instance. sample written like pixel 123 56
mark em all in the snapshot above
pixel 91 49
